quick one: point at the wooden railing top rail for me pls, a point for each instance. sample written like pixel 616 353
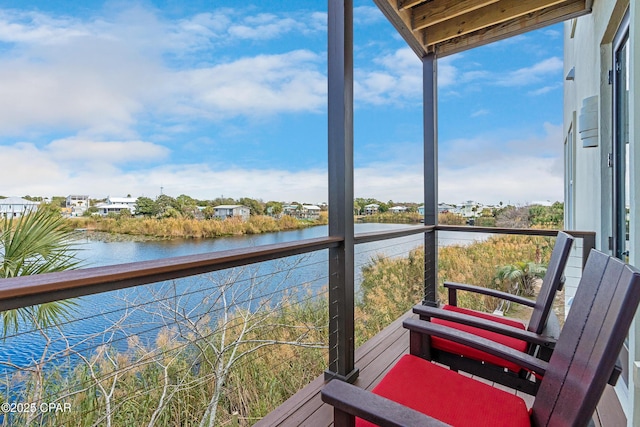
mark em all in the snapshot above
pixel 24 291
pixel 525 231
pixel 30 290
pixel 392 234
pixel 588 237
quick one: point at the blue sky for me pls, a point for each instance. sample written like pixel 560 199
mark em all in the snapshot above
pixel 206 98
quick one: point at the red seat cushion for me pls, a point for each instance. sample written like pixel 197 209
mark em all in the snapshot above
pixel 449 396
pixel 463 350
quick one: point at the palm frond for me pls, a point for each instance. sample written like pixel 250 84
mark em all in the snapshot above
pixel 37 243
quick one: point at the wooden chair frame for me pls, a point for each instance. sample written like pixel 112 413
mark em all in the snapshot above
pixel 574 378
pixel 540 335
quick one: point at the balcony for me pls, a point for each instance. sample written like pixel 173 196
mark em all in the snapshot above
pixel 179 307
pixel 153 282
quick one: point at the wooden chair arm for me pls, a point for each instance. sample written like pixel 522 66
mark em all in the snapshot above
pixel 496 349
pixel 355 401
pixel 488 325
pixel 454 287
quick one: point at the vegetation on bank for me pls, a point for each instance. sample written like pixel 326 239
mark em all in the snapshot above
pixel 391 286
pixel 534 216
pixel 394 218
pixel 194 228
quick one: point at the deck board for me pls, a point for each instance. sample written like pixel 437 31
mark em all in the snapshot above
pixel 374 358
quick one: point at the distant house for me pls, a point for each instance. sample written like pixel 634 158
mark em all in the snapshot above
pixel 311 211
pixel 76 205
pixel 231 211
pixel 116 205
pixel 132 202
pixel 471 209
pixel 445 208
pixel 16 206
pixel 291 210
pixel 105 209
pixel 371 209
pixel 398 209
pixel 302 211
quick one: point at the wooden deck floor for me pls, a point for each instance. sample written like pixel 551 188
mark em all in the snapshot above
pixel 374 359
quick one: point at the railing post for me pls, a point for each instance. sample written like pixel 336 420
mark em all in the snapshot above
pixel 341 259
pixel 430 124
pixel 588 243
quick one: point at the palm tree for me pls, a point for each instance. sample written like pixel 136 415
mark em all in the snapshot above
pixel 521 276
pixel 40 242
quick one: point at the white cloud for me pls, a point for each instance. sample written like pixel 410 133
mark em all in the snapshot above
pixel 96 168
pixel 97 79
pixel 261 85
pixel 481 112
pixel 263 26
pixel 516 171
pixel 33 27
pixel 366 15
pixel 531 75
pixel 75 163
pixel 73 151
pixel 100 77
pixel 546 89
pixel 499 166
pixel 447 72
pixel 398 79
pixel 554 34
pixel 505 165
pixel 513 179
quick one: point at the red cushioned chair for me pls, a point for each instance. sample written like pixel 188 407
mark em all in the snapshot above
pixel 509 332
pixel 417 392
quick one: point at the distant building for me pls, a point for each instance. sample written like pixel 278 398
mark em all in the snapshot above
pixel 105 209
pixel 398 209
pixel 471 209
pixel 302 211
pixel 290 210
pixel 132 202
pixel 231 211
pixel 116 205
pixel 371 209
pixel 445 208
pixel 311 211
pixel 16 206
pixel 76 205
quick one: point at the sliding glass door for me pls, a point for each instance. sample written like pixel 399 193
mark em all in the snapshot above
pixel 620 153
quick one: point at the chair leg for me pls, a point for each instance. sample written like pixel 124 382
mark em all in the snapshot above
pixel 343 419
pixel 420 345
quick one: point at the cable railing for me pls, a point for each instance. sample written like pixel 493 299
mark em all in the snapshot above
pixel 395 279
pixel 177 341
pixel 183 351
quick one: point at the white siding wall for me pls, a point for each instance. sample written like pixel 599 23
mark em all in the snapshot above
pixel 590 52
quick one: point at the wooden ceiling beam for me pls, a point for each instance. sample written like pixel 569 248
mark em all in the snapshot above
pixel 539 19
pixel 401 20
pixel 496 13
pixel 431 13
pixel 408 4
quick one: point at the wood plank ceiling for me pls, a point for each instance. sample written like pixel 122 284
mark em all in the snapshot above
pixel 445 27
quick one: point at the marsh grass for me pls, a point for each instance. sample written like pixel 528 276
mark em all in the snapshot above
pixel 170 228
pixel 391 286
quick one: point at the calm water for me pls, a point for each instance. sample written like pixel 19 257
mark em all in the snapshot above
pixel 99 312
